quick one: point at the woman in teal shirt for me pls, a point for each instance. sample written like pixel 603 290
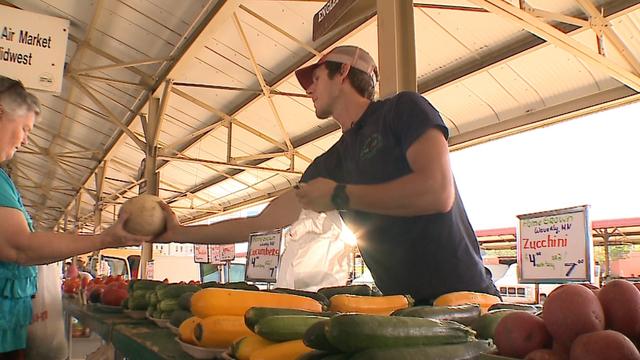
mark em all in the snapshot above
pixel 20 246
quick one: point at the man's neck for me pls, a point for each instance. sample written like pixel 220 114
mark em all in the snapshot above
pixel 350 110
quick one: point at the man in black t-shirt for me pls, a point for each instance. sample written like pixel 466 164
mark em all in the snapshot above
pixel 389 175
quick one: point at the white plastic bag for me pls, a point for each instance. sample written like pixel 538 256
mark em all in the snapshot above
pixel 46 338
pixel 316 254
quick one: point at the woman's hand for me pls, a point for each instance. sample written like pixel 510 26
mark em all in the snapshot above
pixel 117 236
pixel 173 227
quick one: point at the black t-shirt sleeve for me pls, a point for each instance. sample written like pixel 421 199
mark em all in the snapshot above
pixel 311 172
pixel 413 116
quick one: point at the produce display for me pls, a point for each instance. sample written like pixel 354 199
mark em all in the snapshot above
pixel 352 322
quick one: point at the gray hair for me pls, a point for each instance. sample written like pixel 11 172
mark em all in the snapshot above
pixel 14 98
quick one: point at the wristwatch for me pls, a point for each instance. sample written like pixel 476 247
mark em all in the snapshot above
pixel 339 198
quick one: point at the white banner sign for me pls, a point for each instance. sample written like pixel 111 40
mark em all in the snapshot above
pixel 263 256
pixel 555 246
pixel 33 48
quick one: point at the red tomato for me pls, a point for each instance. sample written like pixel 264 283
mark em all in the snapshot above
pixel 114 296
pixel 71 286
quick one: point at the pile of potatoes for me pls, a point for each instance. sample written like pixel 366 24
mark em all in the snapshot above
pixel 577 323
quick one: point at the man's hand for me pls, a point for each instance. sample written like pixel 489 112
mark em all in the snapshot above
pixel 173 226
pixel 117 236
pixel 316 194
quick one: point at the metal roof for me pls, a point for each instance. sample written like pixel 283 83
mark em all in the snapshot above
pixel 491 67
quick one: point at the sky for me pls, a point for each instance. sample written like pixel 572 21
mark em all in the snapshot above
pixel 593 160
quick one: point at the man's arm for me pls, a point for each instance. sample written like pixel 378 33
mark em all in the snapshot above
pixel 281 212
pixel 19 245
pixel 428 189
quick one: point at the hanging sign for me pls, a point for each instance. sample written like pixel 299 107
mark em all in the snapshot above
pixel 555 246
pixel 201 253
pixel 337 13
pixel 33 48
pixel 228 252
pixel 215 254
pixel 263 256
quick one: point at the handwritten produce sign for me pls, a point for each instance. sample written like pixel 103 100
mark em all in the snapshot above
pixel 555 246
pixel 263 256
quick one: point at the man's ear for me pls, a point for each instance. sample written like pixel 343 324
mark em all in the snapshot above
pixel 344 70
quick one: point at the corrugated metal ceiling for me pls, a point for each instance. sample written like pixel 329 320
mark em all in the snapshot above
pixel 486 74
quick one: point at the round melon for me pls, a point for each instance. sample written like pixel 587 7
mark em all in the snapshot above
pixel 145 215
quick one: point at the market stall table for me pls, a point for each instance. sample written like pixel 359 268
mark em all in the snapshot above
pixel 133 339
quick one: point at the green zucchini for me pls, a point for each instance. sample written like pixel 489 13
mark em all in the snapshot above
pixel 362 290
pixel 314 355
pixel 178 316
pixel 138 303
pixel 144 284
pixel 485 325
pixel 174 291
pixel 285 327
pixel 508 306
pixel 462 351
pixel 463 314
pixel 165 315
pixel 168 305
pixel 184 301
pixel 255 314
pixel 316 338
pixel 310 294
pixel 156 314
pixel 153 298
pixel 356 332
pixel 238 285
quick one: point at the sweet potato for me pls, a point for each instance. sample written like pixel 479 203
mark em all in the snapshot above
pixel 605 344
pixel 572 310
pixel 520 333
pixel 620 301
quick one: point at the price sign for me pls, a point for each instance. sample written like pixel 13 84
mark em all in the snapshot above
pixel 555 246
pixel 201 253
pixel 228 252
pixel 215 254
pixel 263 256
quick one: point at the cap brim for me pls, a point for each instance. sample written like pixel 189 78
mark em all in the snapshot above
pixel 305 75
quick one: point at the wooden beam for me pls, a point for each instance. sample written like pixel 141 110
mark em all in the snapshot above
pixel 601 24
pixel 222 163
pixel 120 65
pixel 281 31
pixel 110 80
pixel 265 88
pixel 558 38
pixel 112 117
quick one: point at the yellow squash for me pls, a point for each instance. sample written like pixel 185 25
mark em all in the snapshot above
pixel 281 351
pixel 217 301
pixel 185 330
pixel 378 305
pixel 467 297
pixel 220 331
pixel 244 347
